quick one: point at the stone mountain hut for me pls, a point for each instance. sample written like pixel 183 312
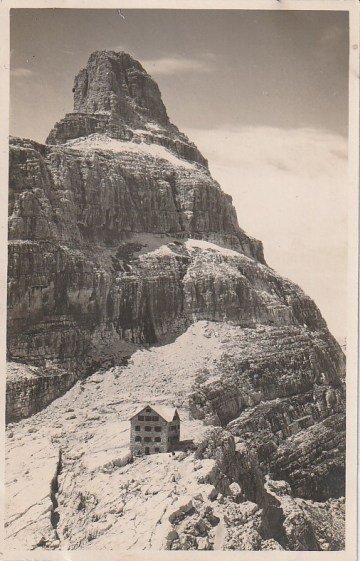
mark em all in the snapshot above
pixel 154 430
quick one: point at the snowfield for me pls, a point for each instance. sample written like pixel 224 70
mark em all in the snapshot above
pixel 103 142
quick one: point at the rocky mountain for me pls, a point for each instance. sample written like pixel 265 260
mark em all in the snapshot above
pixel 119 241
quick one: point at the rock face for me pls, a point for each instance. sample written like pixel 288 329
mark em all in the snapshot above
pixel 120 239
pixel 31 388
pixel 281 392
pixel 117 83
pixel 83 207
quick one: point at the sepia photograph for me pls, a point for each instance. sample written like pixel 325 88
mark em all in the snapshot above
pixel 180 207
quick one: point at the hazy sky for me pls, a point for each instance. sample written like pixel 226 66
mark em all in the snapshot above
pixel 262 93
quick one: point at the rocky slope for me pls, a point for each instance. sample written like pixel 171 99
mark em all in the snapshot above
pixel 120 241
pixel 220 496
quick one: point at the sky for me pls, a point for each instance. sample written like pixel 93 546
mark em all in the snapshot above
pixel 263 94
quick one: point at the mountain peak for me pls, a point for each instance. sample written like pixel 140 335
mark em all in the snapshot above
pixel 118 109
pixel 116 97
pixel 117 83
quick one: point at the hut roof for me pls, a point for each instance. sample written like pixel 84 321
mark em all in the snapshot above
pixel 167 413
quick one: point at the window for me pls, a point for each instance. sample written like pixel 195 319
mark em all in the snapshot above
pixel 147 439
pixel 137 427
pixel 148 418
pixel 148 410
pixel 157 449
pixel 140 417
pixel 155 418
pixel 137 438
pixel 157 429
pixel 148 429
pixel 157 439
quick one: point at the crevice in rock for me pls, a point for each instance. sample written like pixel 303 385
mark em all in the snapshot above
pixel 172 182
pixel 54 489
pixel 251 478
pixel 273 519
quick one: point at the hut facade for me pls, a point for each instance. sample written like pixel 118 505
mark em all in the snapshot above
pixel 154 429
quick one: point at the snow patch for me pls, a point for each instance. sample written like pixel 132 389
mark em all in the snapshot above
pixel 141 132
pixel 203 244
pixel 154 127
pixel 102 142
pixel 162 251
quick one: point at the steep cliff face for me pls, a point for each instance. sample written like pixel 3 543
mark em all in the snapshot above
pixel 85 205
pixel 77 207
pixel 60 298
pixel 120 239
pixel 281 393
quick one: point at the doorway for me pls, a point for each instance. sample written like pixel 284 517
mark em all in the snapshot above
pixel 147 450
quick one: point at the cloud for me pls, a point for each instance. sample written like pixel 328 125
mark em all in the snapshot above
pixel 174 64
pixel 21 73
pixel 289 188
pixel 177 64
